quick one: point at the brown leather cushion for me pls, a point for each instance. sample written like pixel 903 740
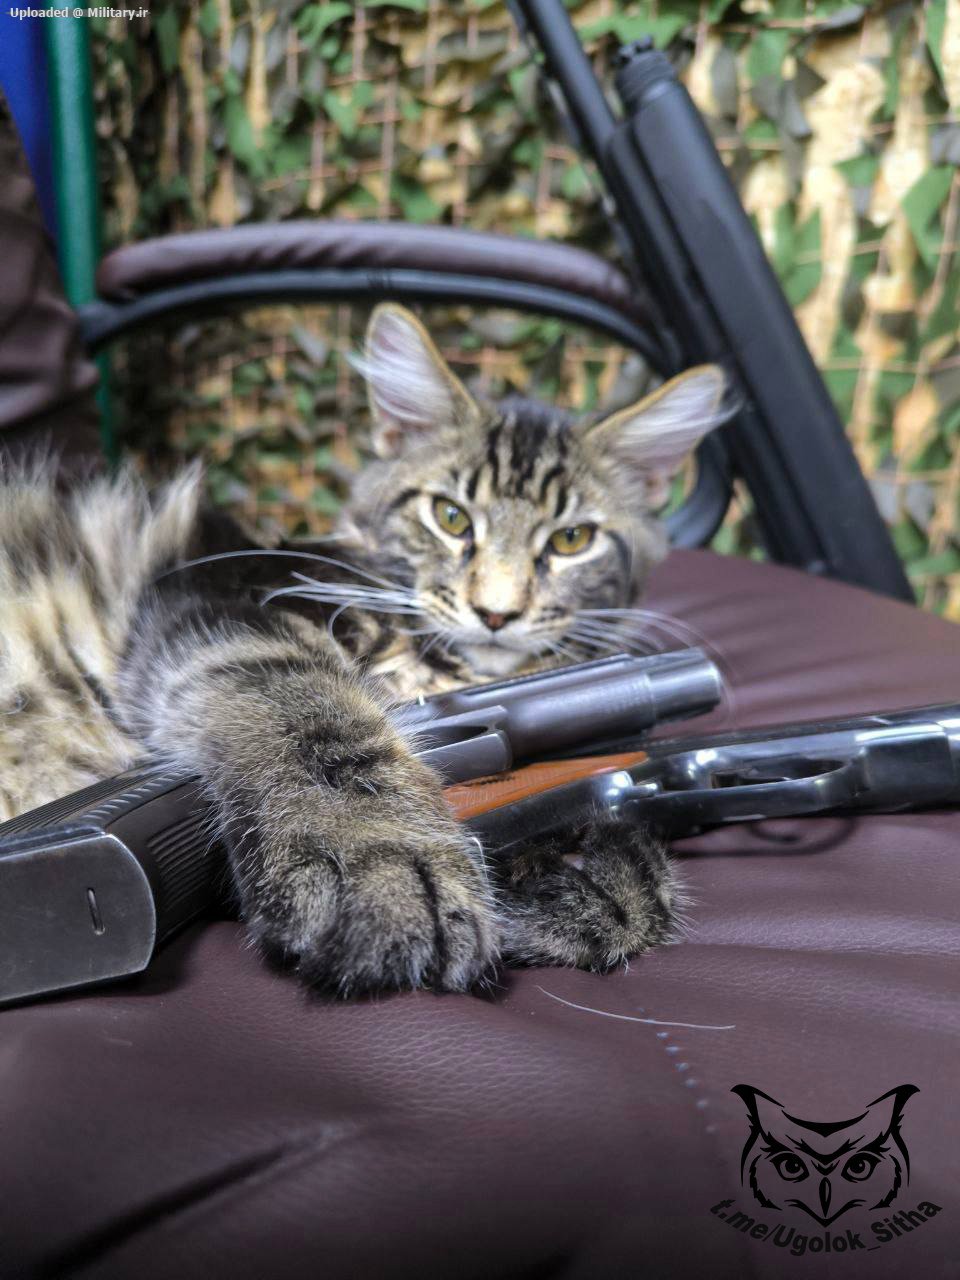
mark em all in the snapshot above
pixel 212 1120
pixel 173 260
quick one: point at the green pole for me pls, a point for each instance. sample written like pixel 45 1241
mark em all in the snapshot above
pixel 70 82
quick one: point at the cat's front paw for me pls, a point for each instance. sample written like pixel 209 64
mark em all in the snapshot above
pixel 592 898
pixel 394 910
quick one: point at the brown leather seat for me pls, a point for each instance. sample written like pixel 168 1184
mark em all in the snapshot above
pixel 212 1119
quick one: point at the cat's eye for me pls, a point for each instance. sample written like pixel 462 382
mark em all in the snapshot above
pixel 451 518
pixel 859 1167
pixel 790 1167
pixel 576 537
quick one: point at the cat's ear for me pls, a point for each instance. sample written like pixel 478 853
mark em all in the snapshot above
pixel 652 439
pixel 411 388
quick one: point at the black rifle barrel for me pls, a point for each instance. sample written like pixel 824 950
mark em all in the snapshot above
pixel 788 441
pixel 707 271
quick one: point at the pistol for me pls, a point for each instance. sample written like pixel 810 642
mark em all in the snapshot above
pixel 884 762
pixel 93 883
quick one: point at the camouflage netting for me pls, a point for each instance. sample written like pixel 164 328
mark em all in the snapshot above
pixel 838 121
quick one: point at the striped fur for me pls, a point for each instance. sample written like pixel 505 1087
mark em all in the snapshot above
pixel 275 678
pixel 72 570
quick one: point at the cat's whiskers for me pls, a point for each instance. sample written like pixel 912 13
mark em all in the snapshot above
pixel 563 643
pixel 626 633
pixel 592 642
pixel 294 555
pixel 674 627
pixel 601 628
pixel 378 599
pixel 561 650
pixel 395 602
pixel 443 620
pixel 352 590
pixel 437 633
pixel 615 636
pixel 447 648
pixel 439 609
pixel 370 600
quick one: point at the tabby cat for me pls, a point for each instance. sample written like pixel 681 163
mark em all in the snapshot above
pixel 483 541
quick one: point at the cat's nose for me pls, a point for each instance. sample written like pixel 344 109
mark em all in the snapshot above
pixel 494 620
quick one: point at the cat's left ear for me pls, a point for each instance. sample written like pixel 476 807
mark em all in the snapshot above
pixel 413 391
pixel 652 439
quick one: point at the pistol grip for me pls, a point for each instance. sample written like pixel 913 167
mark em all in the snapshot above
pixel 92 883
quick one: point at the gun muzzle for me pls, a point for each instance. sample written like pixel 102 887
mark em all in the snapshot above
pixel 683 685
pixel 616 697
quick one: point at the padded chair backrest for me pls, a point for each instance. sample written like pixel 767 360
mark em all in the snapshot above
pixel 205 272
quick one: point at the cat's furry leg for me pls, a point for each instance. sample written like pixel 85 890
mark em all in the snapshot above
pixel 591 898
pixel 346 860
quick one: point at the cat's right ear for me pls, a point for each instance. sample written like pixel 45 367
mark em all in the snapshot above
pixel 650 441
pixel 411 388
